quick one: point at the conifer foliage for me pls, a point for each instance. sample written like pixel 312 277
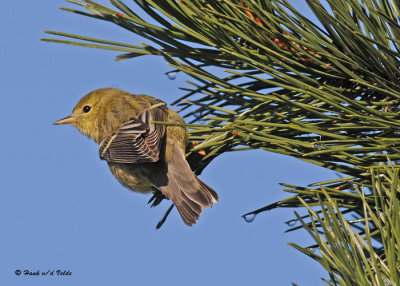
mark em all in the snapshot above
pixel 266 77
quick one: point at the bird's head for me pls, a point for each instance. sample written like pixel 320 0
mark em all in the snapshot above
pixel 101 112
pixel 86 114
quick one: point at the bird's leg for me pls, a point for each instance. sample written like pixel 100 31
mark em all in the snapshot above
pixel 157 198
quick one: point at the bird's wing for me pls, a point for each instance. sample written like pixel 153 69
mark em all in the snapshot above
pixel 138 140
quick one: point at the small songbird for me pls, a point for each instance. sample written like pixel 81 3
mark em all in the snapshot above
pixel 145 157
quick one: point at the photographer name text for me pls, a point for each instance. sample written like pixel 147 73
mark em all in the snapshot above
pixel 50 272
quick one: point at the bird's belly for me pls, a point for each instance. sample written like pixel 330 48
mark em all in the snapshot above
pixel 131 176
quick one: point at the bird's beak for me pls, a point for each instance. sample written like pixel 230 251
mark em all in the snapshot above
pixel 66 120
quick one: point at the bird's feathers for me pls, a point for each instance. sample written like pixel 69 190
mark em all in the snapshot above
pixel 188 193
pixel 144 156
pixel 138 140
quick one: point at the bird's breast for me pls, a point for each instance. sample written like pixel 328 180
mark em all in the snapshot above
pixel 132 176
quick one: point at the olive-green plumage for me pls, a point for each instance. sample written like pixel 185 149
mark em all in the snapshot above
pixel 143 156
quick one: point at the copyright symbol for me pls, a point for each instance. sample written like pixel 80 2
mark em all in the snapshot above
pixel 17 272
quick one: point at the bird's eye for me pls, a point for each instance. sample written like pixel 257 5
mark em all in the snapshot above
pixel 86 108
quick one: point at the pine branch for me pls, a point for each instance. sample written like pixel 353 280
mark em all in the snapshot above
pixel 324 93
pixel 326 96
pixel 348 248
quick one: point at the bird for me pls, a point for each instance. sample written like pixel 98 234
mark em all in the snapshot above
pixel 144 156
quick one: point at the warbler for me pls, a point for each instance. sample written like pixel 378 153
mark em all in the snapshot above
pixel 144 156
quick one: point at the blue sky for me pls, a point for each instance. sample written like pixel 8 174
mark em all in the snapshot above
pixel 60 208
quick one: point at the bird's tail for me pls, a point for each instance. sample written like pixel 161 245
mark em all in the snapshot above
pixel 188 193
pixel 191 202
